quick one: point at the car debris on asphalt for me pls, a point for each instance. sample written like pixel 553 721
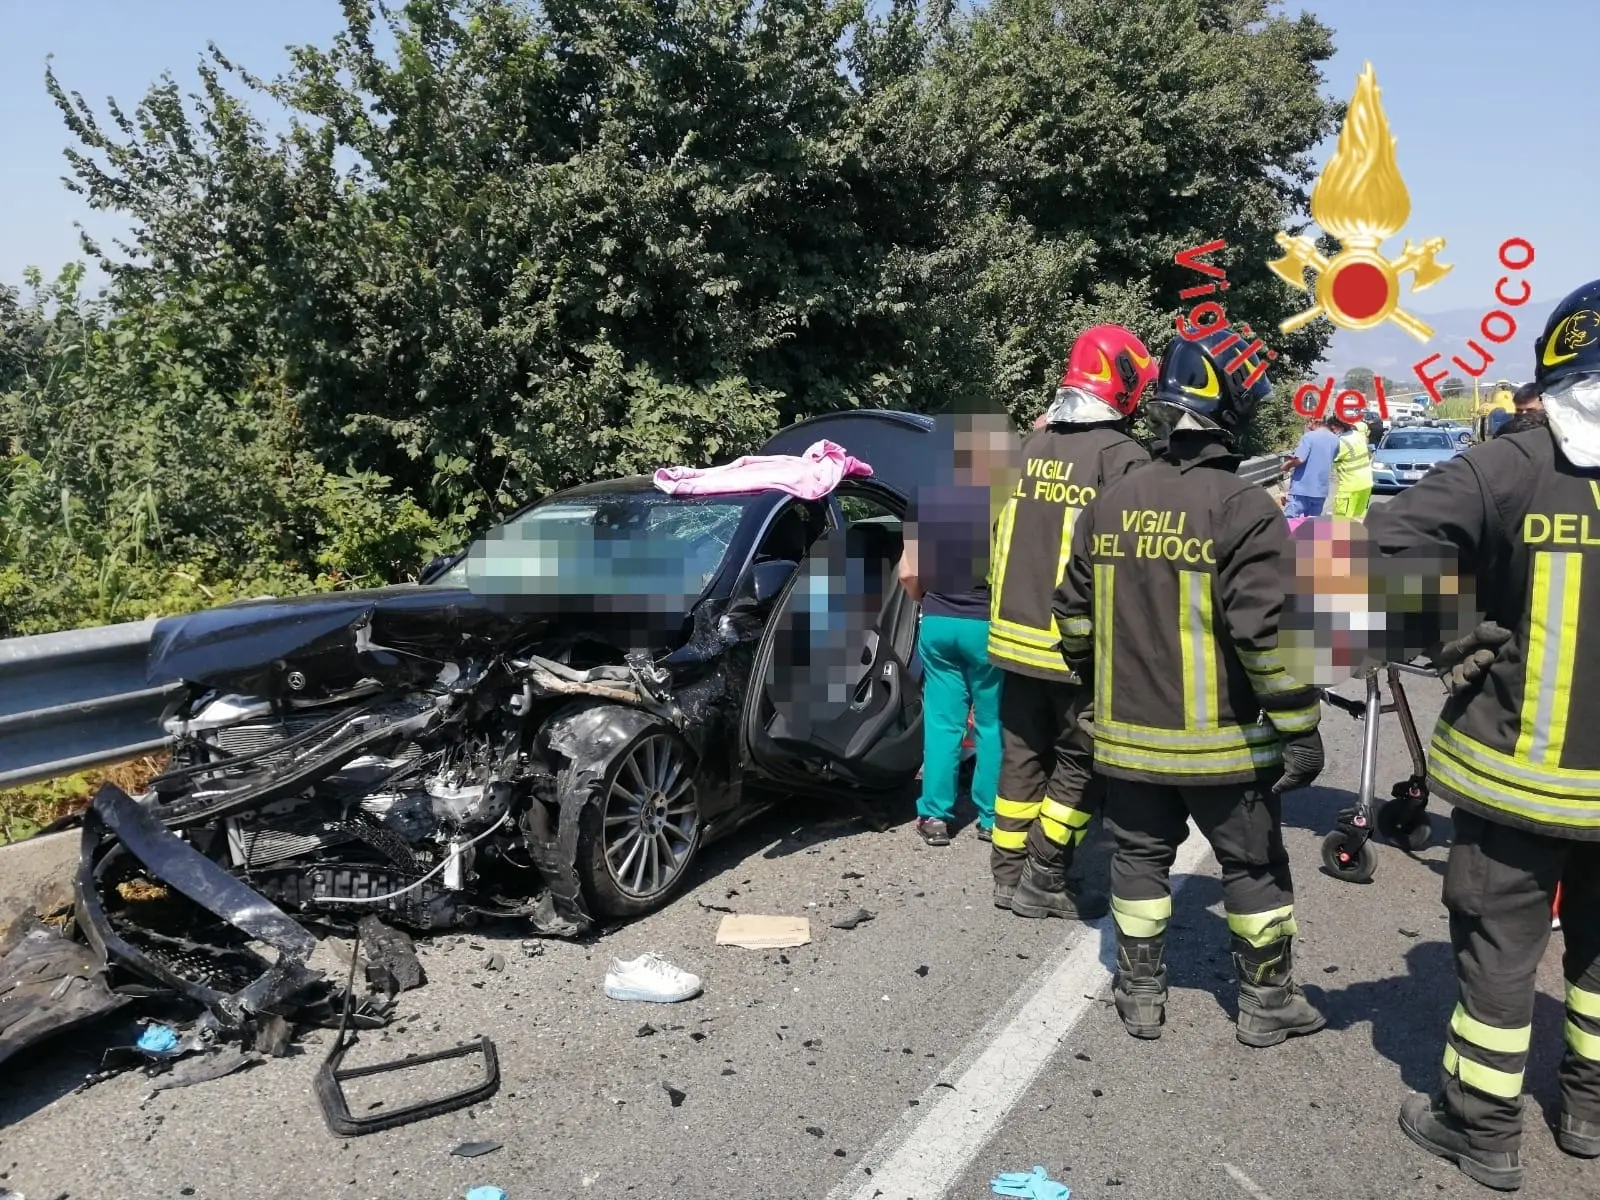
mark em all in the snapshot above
pixel 860 917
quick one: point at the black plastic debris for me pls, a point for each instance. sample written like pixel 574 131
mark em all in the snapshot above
pixel 392 963
pixel 49 984
pixel 816 1131
pixel 646 1030
pixel 330 1079
pixel 475 1149
pixel 921 971
pixel 677 1097
pixel 859 917
pixel 204 1068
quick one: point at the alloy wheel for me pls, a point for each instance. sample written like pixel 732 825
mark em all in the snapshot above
pixel 652 820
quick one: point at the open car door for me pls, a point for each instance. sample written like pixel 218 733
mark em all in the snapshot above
pixel 837 695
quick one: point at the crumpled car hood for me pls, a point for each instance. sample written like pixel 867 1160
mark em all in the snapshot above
pixel 397 634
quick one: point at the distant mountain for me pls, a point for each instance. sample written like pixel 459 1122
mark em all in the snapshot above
pixel 1391 352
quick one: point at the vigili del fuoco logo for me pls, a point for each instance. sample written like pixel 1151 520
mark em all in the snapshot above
pixel 1361 200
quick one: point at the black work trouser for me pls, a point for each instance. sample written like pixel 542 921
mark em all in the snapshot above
pixel 1244 824
pixel 1048 792
pixel 1499 885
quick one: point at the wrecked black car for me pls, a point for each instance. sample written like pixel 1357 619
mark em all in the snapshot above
pixel 554 722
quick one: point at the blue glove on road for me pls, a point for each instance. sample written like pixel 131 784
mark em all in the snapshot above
pixel 1029 1185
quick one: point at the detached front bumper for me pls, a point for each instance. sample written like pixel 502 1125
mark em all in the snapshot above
pixel 152 906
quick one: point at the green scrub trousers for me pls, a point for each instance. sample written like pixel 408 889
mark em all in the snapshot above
pixel 956 676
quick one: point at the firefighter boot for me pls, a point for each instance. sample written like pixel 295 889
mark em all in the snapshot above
pixel 1140 987
pixel 1271 1005
pixel 1427 1122
pixel 1578 1138
pixel 1043 891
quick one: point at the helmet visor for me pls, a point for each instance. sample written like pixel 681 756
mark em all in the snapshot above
pixel 1074 406
pixel 1166 418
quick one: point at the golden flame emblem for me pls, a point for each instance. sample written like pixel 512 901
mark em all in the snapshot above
pixel 1360 199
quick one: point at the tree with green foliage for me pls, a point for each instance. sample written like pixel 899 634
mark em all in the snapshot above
pixel 501 249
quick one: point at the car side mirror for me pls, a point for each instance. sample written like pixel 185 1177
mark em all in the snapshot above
pixel 765 581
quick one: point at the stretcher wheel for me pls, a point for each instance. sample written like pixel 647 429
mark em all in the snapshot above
pixel 1404 826
pixel 1357 867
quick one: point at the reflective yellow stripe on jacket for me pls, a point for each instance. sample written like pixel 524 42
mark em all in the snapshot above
pixel 1204 746
pixel 1531 783
pixel 1031 646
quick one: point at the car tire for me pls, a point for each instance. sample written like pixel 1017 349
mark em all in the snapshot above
pixel 636 845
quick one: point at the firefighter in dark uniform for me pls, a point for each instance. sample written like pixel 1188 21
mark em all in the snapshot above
pixel 1513 753
pixel 1046 797
pixel 1169 611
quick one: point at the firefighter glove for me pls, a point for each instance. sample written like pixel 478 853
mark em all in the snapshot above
pixel 1302 761
pixel 1462 663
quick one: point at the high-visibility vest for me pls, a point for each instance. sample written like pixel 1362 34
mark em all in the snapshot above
pixel 1352 465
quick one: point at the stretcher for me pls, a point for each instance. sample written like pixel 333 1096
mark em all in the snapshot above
pixel 1402 819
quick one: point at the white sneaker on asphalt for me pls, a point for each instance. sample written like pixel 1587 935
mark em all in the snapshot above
pixel 650 977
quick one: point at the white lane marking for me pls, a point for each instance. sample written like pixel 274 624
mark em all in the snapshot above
pixel 931 1146
pixel 1245 1182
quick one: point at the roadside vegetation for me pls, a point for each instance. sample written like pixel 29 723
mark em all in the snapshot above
pixel 498 249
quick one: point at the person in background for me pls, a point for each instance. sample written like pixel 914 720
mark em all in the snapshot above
pixel 1352 470
pixel 945 567
pixel 1308 469
pixel 1530 411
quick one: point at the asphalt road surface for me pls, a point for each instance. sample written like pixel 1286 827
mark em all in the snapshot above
pixel 918 1055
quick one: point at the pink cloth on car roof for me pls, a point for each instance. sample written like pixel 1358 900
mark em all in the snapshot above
pixel 810 476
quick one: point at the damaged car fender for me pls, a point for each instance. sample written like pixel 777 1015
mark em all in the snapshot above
pixel 628 821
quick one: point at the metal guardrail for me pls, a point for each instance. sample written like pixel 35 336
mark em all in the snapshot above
pixel 78 699
pixel 1264 471
pixel 74 700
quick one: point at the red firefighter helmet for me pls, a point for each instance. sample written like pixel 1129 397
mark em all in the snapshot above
pixel 1109 364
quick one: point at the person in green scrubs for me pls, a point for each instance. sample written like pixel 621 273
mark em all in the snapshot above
pixel 946 567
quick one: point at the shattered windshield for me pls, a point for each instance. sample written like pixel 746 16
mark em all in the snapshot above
pixel 622 544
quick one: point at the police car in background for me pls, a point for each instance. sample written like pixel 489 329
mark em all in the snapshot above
pixel 1405 455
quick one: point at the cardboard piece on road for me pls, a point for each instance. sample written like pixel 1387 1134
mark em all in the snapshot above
pixel 754 932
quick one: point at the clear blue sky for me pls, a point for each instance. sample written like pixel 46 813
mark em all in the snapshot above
pixel 1494 103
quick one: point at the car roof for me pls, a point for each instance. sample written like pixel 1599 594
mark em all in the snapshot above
pixel 895 444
